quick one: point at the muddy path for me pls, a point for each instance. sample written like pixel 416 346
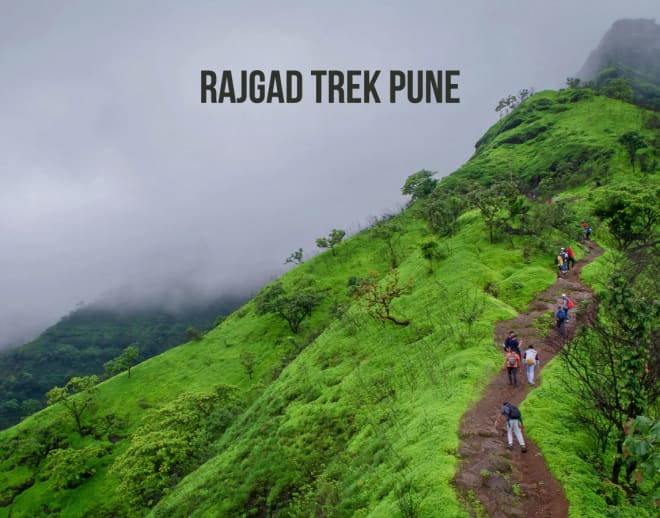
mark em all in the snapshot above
pixel 492 480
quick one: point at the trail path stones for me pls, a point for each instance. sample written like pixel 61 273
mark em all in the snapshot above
pixel 492 480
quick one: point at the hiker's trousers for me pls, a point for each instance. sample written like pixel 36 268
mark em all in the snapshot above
pixel 513 427
pixel 530 373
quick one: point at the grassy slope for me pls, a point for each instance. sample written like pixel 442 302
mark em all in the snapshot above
pixel 87 338
pixel 365 418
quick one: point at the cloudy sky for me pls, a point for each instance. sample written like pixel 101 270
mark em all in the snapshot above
pixel 114 175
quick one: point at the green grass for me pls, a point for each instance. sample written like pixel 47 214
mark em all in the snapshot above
pixel 354 417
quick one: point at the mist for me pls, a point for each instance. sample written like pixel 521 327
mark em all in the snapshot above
pixel 117 182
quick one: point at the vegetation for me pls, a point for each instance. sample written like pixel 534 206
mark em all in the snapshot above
pixel 84 388
pixel 124 362
pixel 334 238
pixel 84 341
pixel 293 307
pixel 324 410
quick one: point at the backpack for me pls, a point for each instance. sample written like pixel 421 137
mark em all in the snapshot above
pixel 511 360
pixel 514 413
pixel 530 356
pixel 561 315
pixel 570 304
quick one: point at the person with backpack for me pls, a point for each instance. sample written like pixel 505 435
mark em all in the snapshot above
pixel 560 319
pixel 566 304
pixel 571 258
pixel 514 425
pixel 531 361
pixel 512 364
pixel 564 260
pixel 559 261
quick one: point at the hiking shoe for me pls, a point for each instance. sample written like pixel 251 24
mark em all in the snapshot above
pixel 524 449
pixel 509 446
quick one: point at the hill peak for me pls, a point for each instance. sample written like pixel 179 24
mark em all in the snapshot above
pixel 634 43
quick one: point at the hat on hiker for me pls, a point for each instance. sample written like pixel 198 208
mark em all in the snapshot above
pixel 563 294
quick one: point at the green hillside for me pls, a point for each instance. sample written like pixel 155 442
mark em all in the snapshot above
pixel 80 343
pixel 356 415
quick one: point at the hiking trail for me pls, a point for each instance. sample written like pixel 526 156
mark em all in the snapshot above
pixel 492 480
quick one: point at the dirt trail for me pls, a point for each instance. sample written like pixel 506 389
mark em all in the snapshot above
pixel 492 480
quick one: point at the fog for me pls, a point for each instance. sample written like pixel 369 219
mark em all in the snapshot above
pixel 115 178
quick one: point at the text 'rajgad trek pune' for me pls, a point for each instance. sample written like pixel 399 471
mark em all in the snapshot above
pixel 330 86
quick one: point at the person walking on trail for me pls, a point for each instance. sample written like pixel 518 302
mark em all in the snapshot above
pixel 514 425
pixel 512 343
pixel 512 364
pixel 571 258
pixel 560 319
pixel 559 261
pixel 531 361
pixel 564 260
pixel 566 305
pixel 507 341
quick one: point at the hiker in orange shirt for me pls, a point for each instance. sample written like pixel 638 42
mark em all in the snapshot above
pixel 512 364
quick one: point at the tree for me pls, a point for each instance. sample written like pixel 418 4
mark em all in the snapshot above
pixel 124 362
pixel 525 94
pixel 640 446
pixel 573 82
pixel 334 238
pixel 441 212
pixel 613 366
pixel 495 203
pixel 632 141
pixel 430 250
pixel 295 257
pixel 618 88
pixel 390 233
pixel 292 307
pixel 632 216
pixel 248 361
pixel 378 296
pixel 172 442
pixel 193 334
pixel 506 104
pixel 69 467
pixel 76 396
pixel 419 184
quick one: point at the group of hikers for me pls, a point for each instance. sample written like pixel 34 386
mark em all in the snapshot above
pixel 565 260
pixel 515 361
pixel 529 360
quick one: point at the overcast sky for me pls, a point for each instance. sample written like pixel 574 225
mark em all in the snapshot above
pixel 113 174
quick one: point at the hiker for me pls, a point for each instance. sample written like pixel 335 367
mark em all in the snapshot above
pixel 571 258
pixel 512 364
pixel 514 425
pixel 566 304
pixel 559 261
pixel 512 343
pixel 560 319
pixel 507 340
pixel 564 260
pixel 531 360
pixel 587 233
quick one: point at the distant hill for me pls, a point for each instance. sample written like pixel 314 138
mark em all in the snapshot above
pixel 80 343
pixel 631 50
